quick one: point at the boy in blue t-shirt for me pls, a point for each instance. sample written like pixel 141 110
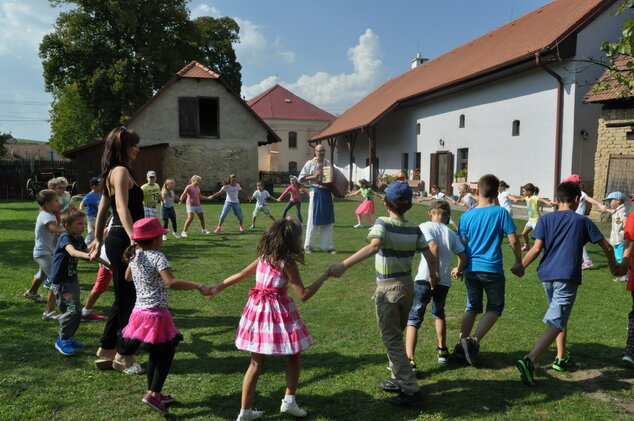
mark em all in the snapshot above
pixel 561 236
pixel 482 230
pixel 70 247
pixel 91 204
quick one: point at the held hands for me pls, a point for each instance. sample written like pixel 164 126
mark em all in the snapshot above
pixel 621 268
pixel 94 250
pixel 336 270
pixel 456 274
pixel 518 269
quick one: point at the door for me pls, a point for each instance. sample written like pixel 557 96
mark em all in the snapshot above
pixel 441 170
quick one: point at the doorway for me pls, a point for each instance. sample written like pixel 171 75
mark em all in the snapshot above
pixel 441 170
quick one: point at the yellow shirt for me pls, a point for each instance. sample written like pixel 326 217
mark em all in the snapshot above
pixel 151 195
pixel 532 206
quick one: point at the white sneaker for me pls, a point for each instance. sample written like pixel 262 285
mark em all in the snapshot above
pixel 176 235
pixel 358 226
pixel 292 409
pixel 184 234
pixel 164 237
pixel 50 316
pixel 206 232
pixel 251 415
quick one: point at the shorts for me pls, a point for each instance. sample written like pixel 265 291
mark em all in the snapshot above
pixel 531 224
pixel 46 264
pixel 194 209
pixel 150 212
pixel 103 280
pixel 92 221
pixel 259 209
pixel 422 295
pixel 561 296
pixel 618 252
pixel 491 283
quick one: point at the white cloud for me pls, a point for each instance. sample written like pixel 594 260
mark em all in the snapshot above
pixel 254 49
pixel 22 26
pixel 336 92
pixel 204 10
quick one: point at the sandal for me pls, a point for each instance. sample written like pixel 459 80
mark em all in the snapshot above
pixel 135 368
pixel 34 296
pixel 103 364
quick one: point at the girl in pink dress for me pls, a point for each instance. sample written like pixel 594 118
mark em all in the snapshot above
pixel 270 323
pixel 367 205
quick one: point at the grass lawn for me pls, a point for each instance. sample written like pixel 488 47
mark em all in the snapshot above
pixel 340 372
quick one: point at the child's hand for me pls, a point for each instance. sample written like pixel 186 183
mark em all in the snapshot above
pixel 336 270
pixel 518 270
pixel 620 269
pixel 214 290
pixel 456 274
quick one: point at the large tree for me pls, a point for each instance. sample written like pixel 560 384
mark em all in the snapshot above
pixel 620 55
pixel 110 56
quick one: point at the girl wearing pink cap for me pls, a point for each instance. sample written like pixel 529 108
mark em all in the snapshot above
pixel 151 325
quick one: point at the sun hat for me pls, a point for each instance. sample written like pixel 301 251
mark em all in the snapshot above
pixel 151 174
pixel 147 228
pixel 398 192
pixel 575 178
pixel 616 195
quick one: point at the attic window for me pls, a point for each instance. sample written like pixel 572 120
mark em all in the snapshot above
pixel 516 128
pixel 461 121
pixel 199 116
pixel 287 100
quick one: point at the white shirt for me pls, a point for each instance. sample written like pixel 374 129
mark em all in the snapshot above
pixel 261 197
pixel 309 168
pixel 45 239
pixel 505 202
pixel 232 192
pixel 581 209
pixel 448 242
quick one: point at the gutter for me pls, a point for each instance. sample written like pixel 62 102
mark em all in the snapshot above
pixel 559 121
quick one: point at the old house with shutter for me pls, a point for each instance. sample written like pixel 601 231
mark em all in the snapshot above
pixel 509 102
pixel 195 124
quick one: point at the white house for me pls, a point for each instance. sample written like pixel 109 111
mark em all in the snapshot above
pixel 510 102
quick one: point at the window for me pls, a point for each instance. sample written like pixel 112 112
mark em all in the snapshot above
pixel 292 140
pixel 417 128
pixel 292 167
pixel 461 122
pixel 198 117
pixel 516 128
pixel 404 162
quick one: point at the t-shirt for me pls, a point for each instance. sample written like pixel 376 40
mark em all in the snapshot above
pixel 91 201
pixel 366 193
pixel 64 268
pixel 151 195
pixel 483 229
pixel 146 267
pixel 564 234
pixel 448 242
pixel 232 192
pixel 439 196
pixel 505 202
pixel 618 221
pixel 168 199
pixel 261 197
pixel 294 192
pixel 193 195
pixel 629 235
pixel 581 209
pixel 469 201
pixel 64 201
pixel 400 241
pixel 45 239
pixel 532 207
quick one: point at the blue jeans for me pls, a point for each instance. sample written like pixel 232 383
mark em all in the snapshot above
pixel 561 296
pixel 492 284
pixel 236 210
pixel 422 295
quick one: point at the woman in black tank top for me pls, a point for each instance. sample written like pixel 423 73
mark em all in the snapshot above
pixel 120 150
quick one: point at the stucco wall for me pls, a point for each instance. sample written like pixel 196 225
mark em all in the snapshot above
pixel 234 151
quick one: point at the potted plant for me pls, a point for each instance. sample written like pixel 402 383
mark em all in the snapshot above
pixel 416 174
pixel 461 175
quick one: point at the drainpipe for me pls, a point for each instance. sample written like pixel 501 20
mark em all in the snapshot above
pixel 559 118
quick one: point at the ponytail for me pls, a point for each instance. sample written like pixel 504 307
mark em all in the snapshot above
pixel 129 253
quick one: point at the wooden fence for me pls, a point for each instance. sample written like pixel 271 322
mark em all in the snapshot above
pixel 14 175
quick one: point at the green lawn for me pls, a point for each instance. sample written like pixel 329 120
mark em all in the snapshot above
pixel 340 372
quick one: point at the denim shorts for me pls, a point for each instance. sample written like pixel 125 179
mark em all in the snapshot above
pixel 422 295
pixel 491 283
pixel 561 296
pixel 194 209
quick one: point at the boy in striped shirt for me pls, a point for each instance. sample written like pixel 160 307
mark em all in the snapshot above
pixel 394 242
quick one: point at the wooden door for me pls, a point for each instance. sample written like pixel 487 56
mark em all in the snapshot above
pixel 441 170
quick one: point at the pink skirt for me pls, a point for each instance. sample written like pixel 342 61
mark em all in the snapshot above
pixel 151 326
pixel 365 208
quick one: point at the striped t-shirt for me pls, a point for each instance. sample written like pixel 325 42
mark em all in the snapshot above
pixel 400 241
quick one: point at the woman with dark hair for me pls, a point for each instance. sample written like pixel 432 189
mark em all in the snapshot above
pixel 125 198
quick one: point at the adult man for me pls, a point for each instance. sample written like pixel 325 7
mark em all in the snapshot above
pixel 321 211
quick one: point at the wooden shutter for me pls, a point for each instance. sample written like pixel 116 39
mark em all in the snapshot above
pixel 188 122
pixel 433 169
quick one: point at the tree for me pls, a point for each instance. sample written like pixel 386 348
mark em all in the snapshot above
pixel 110 56
pixel 4 137
pixel 71 120
pixel 619 55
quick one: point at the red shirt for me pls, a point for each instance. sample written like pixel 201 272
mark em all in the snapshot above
pixel 629 235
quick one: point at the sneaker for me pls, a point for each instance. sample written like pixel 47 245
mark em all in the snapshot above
pixel 471 348
pixel 167 399
pixel 184 234
pixel 390 385
pixel 47 284
pixel 621 279
pixel 308 250
pixel 412 363
pixel 443 355
pixel 155 403
pixel 251 415
pixel 525 248
pixel 91 317
pixel 75 344
pixel 242 228
pixel 217 230
pixel 628 360
pixel 34 296
pixel 206 231
pixel 52 315
pixel 587 264
pixel 164 237
pixel 331 251
pixel 403 399
pixel 358 226
pixel 458 353
pixel 562 364
pixel 64 346
pixel 526 369
pixel 292 409
pixel 175 234
pixel 251 227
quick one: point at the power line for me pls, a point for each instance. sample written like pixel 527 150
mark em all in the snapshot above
pixel 32 119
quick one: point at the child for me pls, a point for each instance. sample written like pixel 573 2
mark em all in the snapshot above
pixel 627 263
pixel 192 193
pixel 151 325
pixel 270 323
pixel 261 205
pixel 70 247
pixel 561 235
pixel 294 191
pixel 46 231
pixel 530 192
pixel 151 195
pixel 232 201
pixel 442 242
pixel 64 195
pixel 367 206
pixel 104 276
pixel 467 198
pixel 481 230
pixel 503 197
pixel 167 206
pixel 617 209
pixel 394 240
pixel 91 203
pixel 438 195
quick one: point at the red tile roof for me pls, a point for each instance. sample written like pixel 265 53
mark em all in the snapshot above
pixel 612 91
pixel 539 31
pixel 281 104
pixel 197 71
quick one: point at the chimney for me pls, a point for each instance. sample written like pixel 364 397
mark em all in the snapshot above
pixel 418 60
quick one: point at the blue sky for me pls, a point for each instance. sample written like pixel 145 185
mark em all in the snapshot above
pixel 330 52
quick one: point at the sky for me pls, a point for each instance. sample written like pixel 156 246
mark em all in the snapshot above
pixel 332 53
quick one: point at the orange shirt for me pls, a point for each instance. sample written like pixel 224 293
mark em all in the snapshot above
pixel 629 235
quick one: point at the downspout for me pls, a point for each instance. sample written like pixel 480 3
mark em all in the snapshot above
pixel 559 121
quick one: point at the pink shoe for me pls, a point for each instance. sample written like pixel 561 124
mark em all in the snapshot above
pixel 217 230
pixel 241 228
pixel 91 317
pixel 525 248
pixel 587 264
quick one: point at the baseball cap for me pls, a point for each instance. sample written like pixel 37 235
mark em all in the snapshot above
pixel 616 195
pixel 575 178
pixel 151 174
pixel 398 192
pixel 95 181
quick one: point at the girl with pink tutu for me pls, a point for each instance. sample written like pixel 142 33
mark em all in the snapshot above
pixel 270 323
pixel 367 206
pixel 151 325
